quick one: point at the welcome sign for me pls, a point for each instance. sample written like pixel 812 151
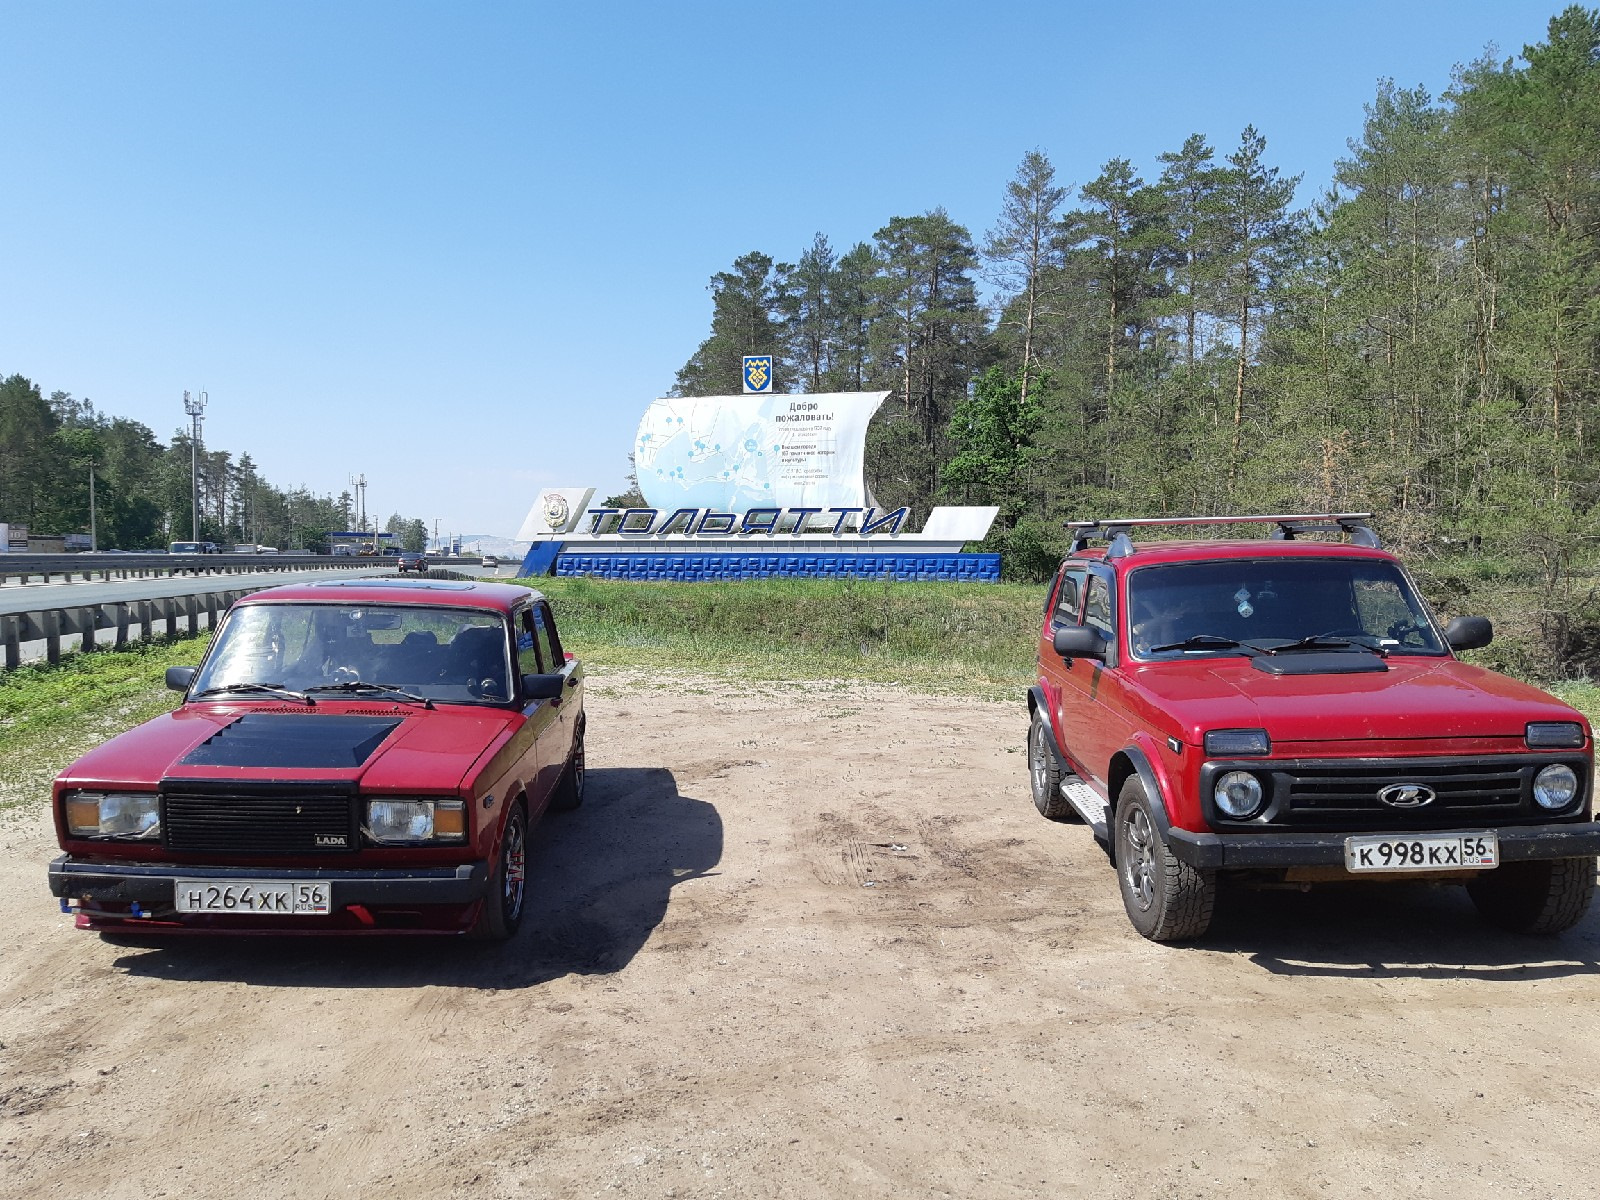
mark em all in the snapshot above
pixel 737 453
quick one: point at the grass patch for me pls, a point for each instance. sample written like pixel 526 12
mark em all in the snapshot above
pixel 1581 694
pixel 50 713
pixel 977 639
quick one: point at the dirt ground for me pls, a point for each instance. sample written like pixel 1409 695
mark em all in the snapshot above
pixel 810 941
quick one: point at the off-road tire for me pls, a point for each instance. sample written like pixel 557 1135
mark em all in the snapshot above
pixel 1167 899
pixel 574 779
pixel 507 894
pixel 1044 774
pixel 1544 896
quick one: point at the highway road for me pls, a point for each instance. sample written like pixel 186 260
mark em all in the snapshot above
pixel 21 598
pixel 36 596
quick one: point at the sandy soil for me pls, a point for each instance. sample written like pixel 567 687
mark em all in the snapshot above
pixel 806 942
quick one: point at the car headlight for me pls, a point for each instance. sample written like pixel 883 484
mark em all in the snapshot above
pixel 395 822
pixel 1231 743
pixel 1555 787
pixel 1239 794
pixel 114 814
pixel 1554 735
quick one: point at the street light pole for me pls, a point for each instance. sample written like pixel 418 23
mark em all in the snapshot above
pixel 94 540
pixel 196 409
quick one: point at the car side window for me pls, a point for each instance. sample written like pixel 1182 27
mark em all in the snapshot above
pixel 528 644
pixel 1097 609
pixel 1067 598
pixel 544 634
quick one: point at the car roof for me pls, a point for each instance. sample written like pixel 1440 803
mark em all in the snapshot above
pixel 452 593
pixel 1145 553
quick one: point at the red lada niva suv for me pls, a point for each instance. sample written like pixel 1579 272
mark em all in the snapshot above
pixel 1287 710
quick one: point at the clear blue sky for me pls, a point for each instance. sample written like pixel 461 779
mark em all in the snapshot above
pixel 460 247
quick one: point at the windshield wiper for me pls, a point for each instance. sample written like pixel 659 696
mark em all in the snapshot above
pixel 264 689
pixel 1326 641
pixel 360 687
pixel 1206 641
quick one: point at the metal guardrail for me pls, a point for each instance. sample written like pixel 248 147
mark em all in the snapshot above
pixel 26 568
pixel 86 621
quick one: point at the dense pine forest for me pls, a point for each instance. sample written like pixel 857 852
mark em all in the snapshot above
pixel 51 445
pixel 1179 338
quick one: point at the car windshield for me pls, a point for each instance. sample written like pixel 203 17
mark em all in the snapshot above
pixel 1275 605
pixel 449 655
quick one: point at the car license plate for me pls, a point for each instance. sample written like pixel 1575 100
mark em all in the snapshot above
pixel 1422 852
pixel 253 896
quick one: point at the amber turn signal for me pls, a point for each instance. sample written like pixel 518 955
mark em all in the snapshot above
pixel 83 812
pixel 450 821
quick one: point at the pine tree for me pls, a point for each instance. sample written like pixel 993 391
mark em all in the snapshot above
pixel 806 303
pixel 1023 257
pixel 743 321
pixel 1260 237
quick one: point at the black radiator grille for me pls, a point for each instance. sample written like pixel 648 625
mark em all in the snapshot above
pixel 1338 789
pixel 276 821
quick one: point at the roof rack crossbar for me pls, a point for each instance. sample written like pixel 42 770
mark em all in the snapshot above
pixel 1289 525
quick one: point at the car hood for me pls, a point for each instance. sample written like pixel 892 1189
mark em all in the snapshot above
pixel 1414 698
pixel 376 747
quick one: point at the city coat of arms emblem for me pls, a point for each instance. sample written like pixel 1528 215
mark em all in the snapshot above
pixel 556 511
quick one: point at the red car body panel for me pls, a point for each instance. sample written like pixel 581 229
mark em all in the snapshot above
pixel 1418 707
pixel 488 755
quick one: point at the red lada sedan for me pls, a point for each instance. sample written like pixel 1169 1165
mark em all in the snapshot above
pixel 361 756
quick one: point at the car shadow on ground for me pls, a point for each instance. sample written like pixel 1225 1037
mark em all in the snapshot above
pixel 600 879
pixel 1391 931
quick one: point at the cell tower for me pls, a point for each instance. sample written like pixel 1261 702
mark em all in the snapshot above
pixel 196 409
pixel 359 482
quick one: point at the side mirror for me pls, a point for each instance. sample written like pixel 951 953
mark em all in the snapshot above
pixel 1080 641
pixel 541 687
pixel 1469 633
pixel 179 678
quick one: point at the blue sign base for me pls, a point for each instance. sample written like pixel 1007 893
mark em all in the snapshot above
pixel 540 558
pixel 962 568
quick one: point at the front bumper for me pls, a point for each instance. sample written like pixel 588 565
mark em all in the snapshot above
pixel 107 891
pixel 1234 851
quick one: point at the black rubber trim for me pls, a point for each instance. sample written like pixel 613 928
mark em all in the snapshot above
pixel 1036 695
pixel 1215 852
pixel 1152 791
pixel 153 883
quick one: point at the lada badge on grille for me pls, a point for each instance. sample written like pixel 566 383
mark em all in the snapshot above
pixel 338 840
pixel 1406 795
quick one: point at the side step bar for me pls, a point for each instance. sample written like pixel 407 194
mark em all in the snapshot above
pixel 1088 804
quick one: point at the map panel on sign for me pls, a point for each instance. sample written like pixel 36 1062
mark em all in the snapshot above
pixel 735 453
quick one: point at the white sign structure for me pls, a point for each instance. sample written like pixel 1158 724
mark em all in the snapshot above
pixel 735 453
pixel 556 511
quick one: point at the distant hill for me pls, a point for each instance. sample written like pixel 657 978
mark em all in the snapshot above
pixel 488 543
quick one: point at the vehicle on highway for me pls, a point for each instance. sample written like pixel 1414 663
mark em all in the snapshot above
pixel 1287 711
pixel 345 550
pixel 350 756
pixel 489 562
pixel 412 560
pixel 193 548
